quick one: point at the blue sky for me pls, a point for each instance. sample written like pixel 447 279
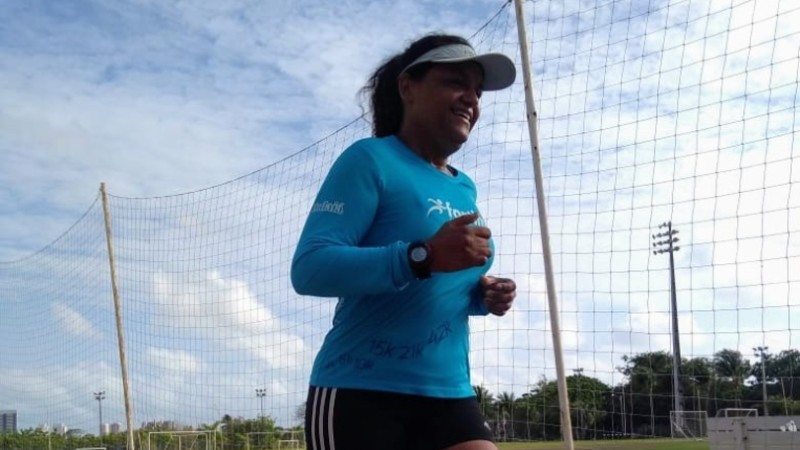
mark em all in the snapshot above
pixel 684 110
pixel 158 98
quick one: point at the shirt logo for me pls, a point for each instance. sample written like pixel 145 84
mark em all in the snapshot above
pixel 443 207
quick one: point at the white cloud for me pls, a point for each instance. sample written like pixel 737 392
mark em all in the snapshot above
pixel 63 394
pixel 174 361
pixel 72 321
pixel 227 311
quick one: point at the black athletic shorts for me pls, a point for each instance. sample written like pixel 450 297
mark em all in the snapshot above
pixel 350 419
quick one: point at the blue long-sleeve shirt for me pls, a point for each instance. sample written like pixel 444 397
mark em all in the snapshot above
pixel 390 331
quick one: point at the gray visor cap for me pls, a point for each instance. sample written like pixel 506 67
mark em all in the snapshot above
pixel 498 69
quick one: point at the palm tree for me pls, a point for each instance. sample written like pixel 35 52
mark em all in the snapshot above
pixel 485 399
pixel 732 367
pixel 650 386
pixel 300 413
pixel 529 412
pixel 785 368
pixel 505 409
pixel 699 373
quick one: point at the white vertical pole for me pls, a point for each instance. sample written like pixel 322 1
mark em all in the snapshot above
pixel 552 300
pixel 120 336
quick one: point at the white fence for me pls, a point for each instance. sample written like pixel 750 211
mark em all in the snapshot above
pixel 754 433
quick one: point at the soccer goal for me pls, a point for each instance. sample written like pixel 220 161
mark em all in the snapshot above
pixel 737 412
pixel 181 440
pixel 689 424
pixel 268 440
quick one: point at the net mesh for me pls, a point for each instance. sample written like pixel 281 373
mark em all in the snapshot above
pixel 679 111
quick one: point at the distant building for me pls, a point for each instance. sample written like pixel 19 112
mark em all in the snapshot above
pixel 116 427
pixel 8 421
pixel 162 425
pixel 60 429
pixel 105 429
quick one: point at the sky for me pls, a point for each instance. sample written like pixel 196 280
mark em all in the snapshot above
pixel 674 110
pixel 161 98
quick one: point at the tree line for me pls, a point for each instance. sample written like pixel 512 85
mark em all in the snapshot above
pixel 638 407
pixel 234 433
pixel 641 405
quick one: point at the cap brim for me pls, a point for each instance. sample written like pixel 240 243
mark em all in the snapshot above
pixel 499 71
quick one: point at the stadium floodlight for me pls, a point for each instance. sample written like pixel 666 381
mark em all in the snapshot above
pixel 261 393
pixel 666 244
pixel 100 396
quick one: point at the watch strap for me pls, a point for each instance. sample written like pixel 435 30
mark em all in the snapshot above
pixel 420 268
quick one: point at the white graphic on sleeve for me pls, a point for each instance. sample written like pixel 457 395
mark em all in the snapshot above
pixel 443 207
pixel 328 207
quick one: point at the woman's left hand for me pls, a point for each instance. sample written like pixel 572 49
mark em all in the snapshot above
pixel 498 294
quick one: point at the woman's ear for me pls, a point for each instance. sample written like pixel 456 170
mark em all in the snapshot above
pixel 405 88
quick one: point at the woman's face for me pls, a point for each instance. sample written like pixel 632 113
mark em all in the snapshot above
pixel 445 103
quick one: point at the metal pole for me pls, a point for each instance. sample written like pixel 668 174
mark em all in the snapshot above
pixel 120 336
pixel 622 403
pixel 261 393
pixel 667 246
pixel 99 396
pixel 533 132
pixel 761 353
pixel 764 384
pixel 676 342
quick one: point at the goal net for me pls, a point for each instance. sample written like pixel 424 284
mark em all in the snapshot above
pixel 268 440
pixel 737 412
pixel 181 440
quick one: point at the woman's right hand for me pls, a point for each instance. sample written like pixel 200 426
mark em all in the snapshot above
pixel 460 245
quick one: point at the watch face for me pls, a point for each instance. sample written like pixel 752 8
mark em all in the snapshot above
pixel 418 254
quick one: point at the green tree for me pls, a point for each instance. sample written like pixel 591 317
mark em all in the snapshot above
pixel 650 390
pixel 731 370
pixel 235 431
pixel 527 416
pixel 784 368
pixel 505 405
pixel 589 399
pixel 485 400
pixel 543 403
pixel 300 414
pixel 697 376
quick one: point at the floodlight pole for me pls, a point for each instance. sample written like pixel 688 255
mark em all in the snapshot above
pixel 100 396
pixel 666 245
pixel 761 352
pixel 261 393
pixel 552 300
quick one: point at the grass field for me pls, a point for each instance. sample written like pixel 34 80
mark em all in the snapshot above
pixel 639 444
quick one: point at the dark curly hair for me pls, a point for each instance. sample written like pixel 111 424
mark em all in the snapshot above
pixel 386 105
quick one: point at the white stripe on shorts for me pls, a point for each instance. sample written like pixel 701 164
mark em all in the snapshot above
pixel 322 415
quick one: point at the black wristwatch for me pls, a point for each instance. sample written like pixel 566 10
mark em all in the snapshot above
pixel 419 258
